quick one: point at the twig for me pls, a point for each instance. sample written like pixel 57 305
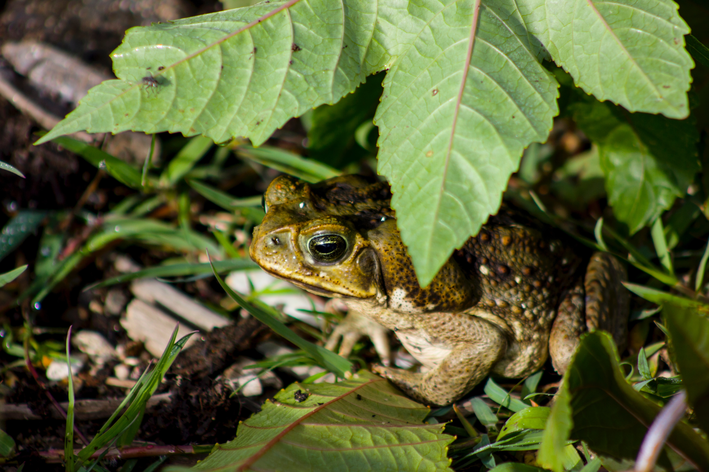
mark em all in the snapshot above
pixel 28 107
pixel 57 455
pixel 659 431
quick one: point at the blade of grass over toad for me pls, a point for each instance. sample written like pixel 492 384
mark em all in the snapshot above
pixel 327 359
pixel 179 270
pixel 118 169
pixel 659 297
pixel 641 262
pixel 305 169
pixel 223 199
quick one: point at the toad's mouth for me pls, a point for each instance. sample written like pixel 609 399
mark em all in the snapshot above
pixel 307 287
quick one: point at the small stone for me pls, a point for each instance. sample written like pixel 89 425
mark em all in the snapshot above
pixel 94 344
pixel 116 301
pixel 57 369
pixel 121 371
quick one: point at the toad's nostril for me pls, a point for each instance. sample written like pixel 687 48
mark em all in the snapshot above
pixel 275 241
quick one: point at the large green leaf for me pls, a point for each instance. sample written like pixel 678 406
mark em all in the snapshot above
pixel 360 424
pixel 241 72
pixel 597 405
pixel 689 335
pixel 459 106
pixel 464 93
pixel 648 160
pixel 630 52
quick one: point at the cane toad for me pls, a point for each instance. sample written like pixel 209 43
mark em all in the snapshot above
pixel 514 294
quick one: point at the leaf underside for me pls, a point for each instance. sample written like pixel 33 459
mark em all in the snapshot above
pixel 464 94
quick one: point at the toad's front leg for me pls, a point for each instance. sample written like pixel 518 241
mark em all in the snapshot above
pixel 462 354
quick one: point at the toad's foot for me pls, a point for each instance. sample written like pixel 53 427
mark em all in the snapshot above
pixel 353 328
pixel 461 370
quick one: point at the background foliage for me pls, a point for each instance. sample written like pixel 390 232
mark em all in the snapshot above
pixel 454 94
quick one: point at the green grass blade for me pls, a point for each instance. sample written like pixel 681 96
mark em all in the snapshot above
pixel 8 277
pixel 658 238
pixel 69 459
pixel 309 170
pixel 185 160
pixel 659 297
pixel 117 168
pixel 699 51
pixel 9 168
pixel 223 199
pixel 139 395
pixel 179 270
pixel 701 270
pixel 267 315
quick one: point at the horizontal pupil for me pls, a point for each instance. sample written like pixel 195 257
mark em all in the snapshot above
pixel 327 248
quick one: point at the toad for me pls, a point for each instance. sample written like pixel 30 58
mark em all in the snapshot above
pixel 513 295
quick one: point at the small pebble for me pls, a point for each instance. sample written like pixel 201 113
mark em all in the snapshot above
pixel 93 344
pixel 121 371
pixel 57 369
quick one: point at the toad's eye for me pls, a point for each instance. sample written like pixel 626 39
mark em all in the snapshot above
pixel 263 204
pixel 327 247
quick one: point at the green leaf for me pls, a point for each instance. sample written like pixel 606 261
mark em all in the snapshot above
pixel 533 417
pixel 648 160
pixel 360 424
pixel 483 413
pixel 8 277
pixel 459 106
pixel 557 431
pixel 598 406
pixel 333 126
pixel 7 444
pixel 15 231
pixel 689 337
pixel 9 168
pixel 268 316
pixel 502 397
pixel 629 52
pixel 241 72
